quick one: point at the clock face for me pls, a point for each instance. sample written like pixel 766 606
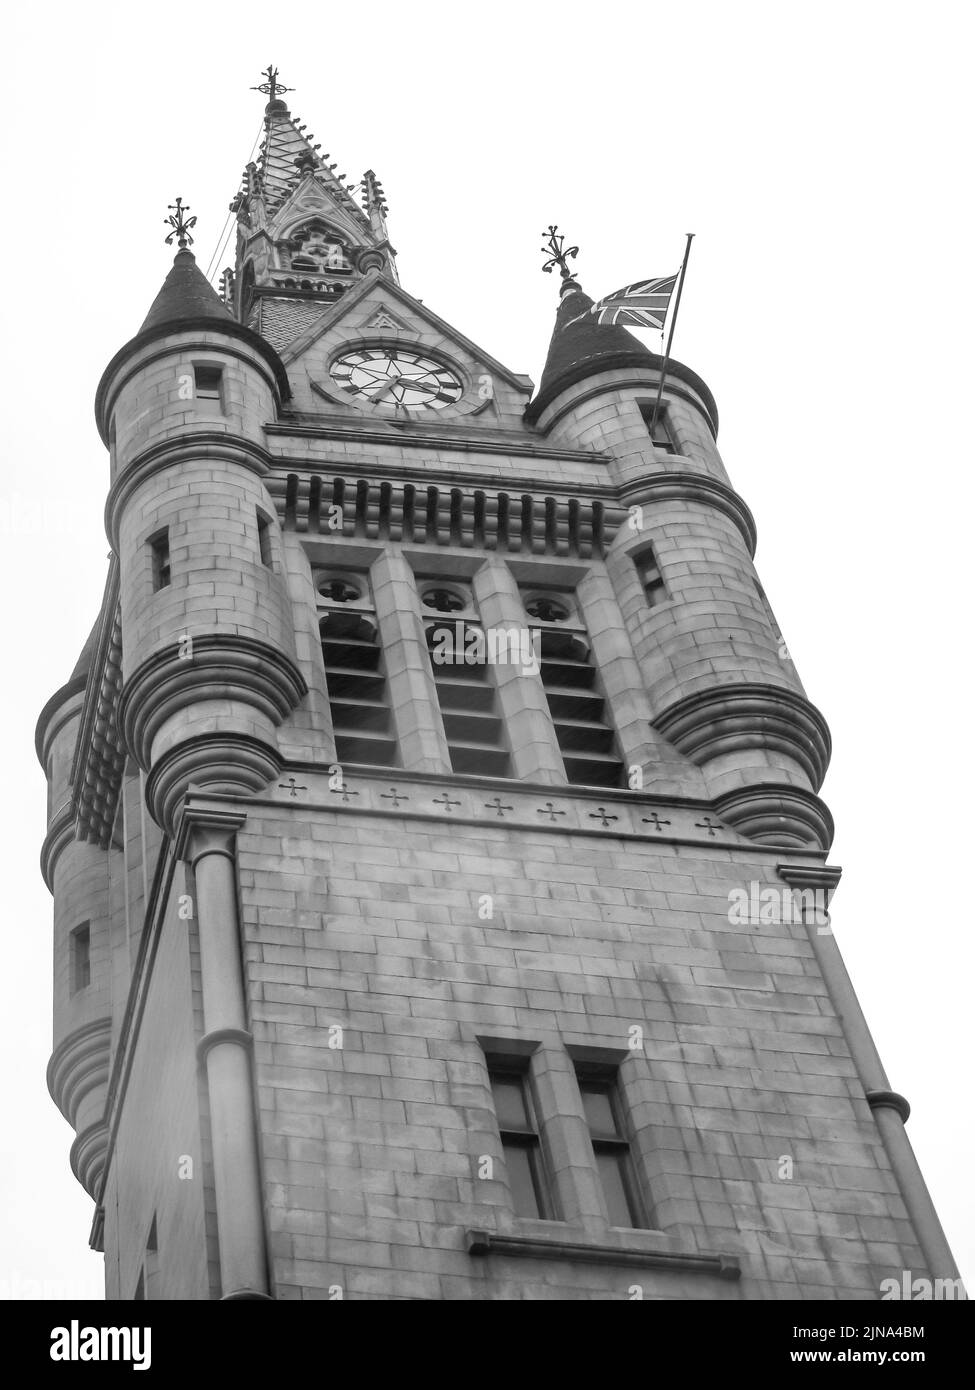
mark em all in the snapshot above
pixel 398 377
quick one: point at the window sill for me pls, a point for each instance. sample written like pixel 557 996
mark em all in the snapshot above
pixel 539 1247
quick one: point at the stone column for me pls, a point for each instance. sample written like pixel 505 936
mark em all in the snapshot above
pixel 890 1110
pixel 535 751
pixel 619 672
pixel 208 841
pixel 412 691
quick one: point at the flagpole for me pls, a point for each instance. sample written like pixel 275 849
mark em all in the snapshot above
pixel 670 336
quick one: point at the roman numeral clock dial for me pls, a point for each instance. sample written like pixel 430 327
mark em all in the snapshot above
pixel 396 377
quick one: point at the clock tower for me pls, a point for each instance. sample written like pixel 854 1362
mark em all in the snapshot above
pixel 440 872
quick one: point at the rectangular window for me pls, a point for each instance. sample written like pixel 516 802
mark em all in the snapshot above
pixel 264 540
pixel 520 1142
pixel 650 577
pixel 80 958
pixel 600 1097
pixel 659 428
pixel 209 383
pixel 159 546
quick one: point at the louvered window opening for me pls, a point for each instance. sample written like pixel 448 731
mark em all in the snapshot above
pixel 358 696
pixel 577 706
pixel 466 693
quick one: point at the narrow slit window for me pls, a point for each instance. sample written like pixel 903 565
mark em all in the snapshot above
pixel 150 1269
pixel 652 580
pixel 161 573
pixel 264 540
pixel 208 382
pixel 611 1147
pixel 80 958
pixel 576 703
pixel 768 610
pixel 520 1141
pixel 659 430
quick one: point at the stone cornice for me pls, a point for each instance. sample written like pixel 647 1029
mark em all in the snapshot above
pixel 778 814
pixel 230 762
pixel 460 515
pixel 192 447
pixel 79 1063
pixel 222 666
pixel 47 726
pixel 647 371
pixel 473 801
pixel 826 876
pixel 87 1155
pixel 625 384
pixel 693 487
pixel 890 1100
pixel 220 821
pixel 60 833
pixel 239 1037
pixel 424 437
pixel 482 1243
pixel 727 718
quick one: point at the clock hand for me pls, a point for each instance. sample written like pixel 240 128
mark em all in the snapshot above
pixel 386 386
pixel 419 384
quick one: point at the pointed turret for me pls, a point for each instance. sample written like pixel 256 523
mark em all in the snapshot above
pixel 580 347
pixel 186 303
pixel 186 294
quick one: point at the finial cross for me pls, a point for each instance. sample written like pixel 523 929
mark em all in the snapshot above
pixel 180 224
pixel 557 255
pixel 272 88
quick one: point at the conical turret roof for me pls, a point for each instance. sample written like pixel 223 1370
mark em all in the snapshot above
pixel 186 294
pixel 581 347
pixel 186 301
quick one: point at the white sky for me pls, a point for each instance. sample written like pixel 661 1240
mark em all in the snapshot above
pixel 822 155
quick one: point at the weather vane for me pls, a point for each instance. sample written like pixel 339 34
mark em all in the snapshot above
pixel 272 88
pixel 556 255
pixel 180 224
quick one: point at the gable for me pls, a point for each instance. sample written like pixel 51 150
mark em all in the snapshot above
pixel 312 199
pixel 379 316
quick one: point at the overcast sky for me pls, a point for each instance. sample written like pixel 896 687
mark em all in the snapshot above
pixel 822 155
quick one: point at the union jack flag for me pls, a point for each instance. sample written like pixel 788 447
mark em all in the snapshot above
pixel 642 305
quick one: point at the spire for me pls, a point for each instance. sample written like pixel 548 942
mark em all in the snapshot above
pixel 287 154
pixel 303 239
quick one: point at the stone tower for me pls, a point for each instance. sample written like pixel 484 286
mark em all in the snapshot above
pixel 438 864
